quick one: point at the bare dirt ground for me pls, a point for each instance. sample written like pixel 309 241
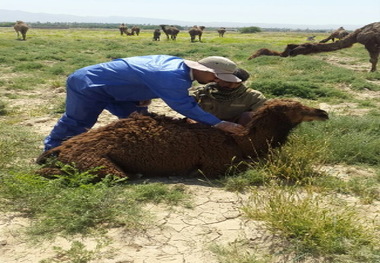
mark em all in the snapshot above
pixel 179 234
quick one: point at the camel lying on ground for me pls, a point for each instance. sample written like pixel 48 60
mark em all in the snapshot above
pixel 21 27
pixel 156 146
pixel 171 31
pixel 369 36
pixel 196 31
pixel 339 34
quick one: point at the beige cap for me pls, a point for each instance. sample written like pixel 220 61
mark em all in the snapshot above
pixel 222 67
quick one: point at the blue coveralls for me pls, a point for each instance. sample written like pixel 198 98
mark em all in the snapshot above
pixel 118 86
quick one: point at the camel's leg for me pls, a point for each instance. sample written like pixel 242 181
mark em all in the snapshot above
pixel 373 51
pixel 109 167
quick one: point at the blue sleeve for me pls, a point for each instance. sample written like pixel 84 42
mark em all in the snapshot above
pixel 174 91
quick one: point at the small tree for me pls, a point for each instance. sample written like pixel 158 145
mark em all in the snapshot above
pixel 251 29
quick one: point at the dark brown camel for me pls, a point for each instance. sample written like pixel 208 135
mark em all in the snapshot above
pixel 221 31
pixel 339 34
pixel 171 31
pixel 123 29
pixel 196 31
pixel 369 36
pixel 160 145
pixel 156 34
pixel 21 27
pixel 135 30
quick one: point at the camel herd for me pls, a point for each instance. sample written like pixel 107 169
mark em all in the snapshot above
pixel 368 35
pixel 171 32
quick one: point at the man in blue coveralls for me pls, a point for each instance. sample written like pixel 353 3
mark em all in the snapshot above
pixel 123 85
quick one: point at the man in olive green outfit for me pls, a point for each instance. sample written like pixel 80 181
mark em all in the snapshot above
pixel 228 100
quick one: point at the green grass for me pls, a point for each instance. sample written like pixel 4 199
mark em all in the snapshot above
pixel 74 204
pixel 314 225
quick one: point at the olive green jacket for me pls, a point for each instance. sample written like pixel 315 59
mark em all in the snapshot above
pixel 229 110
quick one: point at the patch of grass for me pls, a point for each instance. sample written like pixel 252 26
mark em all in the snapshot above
pixel 18 145
pixel 314 225
pixel 74 203
pixel 365 187
pixel 351 139
pixel 301 89
pixel 77 253
pixel 237 252
pixel 3 110
pixel 293 163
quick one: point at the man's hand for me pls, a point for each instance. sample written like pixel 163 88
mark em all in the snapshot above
pixel 231 127
pixel 191 121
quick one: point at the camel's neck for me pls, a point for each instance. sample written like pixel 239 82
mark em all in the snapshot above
pixel 346 42
pixel 267 131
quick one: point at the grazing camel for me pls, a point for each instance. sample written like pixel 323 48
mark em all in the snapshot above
pixel 221 31
pixel 123 29
pixel 368 35
pixel 171 31
pixel 339 34
pixel 135 30
pixel 196 31
pixel 21 27
pixel 156 34
pixel 159 145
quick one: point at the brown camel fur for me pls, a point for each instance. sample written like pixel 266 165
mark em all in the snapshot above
pixel 369 36
pixel 221 31
pixel 196 31
pixel 159 145
pixel 123 29
pixel 156 34
pixel 339 34
pixel 135 30
pixel 171 31
pixel 21 27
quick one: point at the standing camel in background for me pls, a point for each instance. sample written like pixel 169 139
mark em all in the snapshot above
pixel 339 34
pixel 123 29
pixel 156 34
pixel 368 35
pixel 171 31
pixel 21 27
pixel 135 30
pixel 221 31
pixel 196 31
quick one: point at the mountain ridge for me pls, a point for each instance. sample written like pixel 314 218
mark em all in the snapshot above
pixel 14 15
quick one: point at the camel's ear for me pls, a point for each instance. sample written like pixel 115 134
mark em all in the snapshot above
pixel 245 118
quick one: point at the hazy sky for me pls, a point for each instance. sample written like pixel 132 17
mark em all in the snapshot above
pixel 318 12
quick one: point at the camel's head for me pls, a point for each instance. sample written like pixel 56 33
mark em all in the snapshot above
pixel 292 110
pixel 264 52
pixel 297 112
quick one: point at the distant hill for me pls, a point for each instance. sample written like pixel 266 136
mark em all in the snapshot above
pixel 14 15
